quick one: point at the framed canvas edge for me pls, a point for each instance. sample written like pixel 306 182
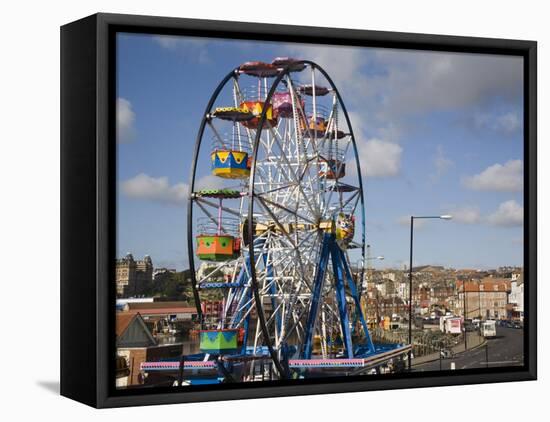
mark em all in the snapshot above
pixel 105 194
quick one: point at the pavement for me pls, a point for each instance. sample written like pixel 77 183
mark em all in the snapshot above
pixel 474 340
pixel 506 349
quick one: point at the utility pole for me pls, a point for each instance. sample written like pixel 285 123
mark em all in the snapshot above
pixel 479 300
pixel 465 315
pixel 410 292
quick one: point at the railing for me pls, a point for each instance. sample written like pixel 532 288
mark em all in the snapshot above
pixel 226 226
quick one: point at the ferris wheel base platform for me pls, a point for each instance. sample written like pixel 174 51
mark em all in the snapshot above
pixel 384 354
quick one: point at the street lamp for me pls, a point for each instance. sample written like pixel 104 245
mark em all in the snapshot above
pixel 364 283
pixel 441 217
pixel 368 259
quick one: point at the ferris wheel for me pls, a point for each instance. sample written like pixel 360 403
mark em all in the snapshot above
pixel 275 217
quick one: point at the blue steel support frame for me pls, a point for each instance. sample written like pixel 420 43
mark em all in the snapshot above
pixel 317 287
pixel 246 295
pixel 356 299
pixel 341 297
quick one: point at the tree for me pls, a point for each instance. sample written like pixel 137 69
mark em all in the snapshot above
pixel 173 285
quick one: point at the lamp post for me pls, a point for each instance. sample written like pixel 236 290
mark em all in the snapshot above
pixel 441 217
pixel 368 260
pixel 364 283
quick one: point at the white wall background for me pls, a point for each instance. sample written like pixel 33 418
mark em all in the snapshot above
pixel 29 235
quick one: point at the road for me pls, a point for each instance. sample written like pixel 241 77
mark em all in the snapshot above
pixel 506 349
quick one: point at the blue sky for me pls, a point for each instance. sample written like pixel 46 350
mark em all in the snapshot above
pixel 437 133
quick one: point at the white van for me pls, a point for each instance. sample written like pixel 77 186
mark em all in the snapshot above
pixel 489 329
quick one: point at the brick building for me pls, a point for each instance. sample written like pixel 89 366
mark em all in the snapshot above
pixel 487 298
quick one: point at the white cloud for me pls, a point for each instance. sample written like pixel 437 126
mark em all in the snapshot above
pixel 154 189
pixel 441 163
pixel 505 123
pixel 379 158
pixel 343 64
pixel 210 182
pixel 158 189
pixel 125 119
pixel 508 214
pixel 466 215
pixel 506 177
pixel 509 122
pixel 426 81
pixel 390 88
pixel 192 49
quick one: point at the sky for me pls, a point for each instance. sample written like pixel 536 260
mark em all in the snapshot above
pixel 437 133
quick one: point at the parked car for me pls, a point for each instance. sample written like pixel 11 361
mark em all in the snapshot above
pixel 469 326
pixel 517 325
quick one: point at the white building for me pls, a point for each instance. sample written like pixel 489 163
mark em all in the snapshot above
pixel 516 296
pixel 403 291
pixel 389 276
pixel 381 287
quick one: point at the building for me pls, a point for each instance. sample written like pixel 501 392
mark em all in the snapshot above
pixel 392 306
pixel 132 339
pixel 158 272
pixel 403 291
pixel 133 278
pixel 122 303
pixel 487 298
pixel 136 344
pixel 516 298
pixel 170 311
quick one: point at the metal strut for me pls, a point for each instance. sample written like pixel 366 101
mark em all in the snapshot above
pixel 357 300
pixel 342 277
pixel 317 288
pixel 341 297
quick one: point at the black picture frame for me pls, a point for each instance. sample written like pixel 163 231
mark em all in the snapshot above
pixel 88 214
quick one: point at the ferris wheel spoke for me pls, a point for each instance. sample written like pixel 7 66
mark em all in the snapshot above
pixel 264 202
pixel 298 109
pixel 292 172
pixel 212 272
pixel 330 122
pixel 277 189
pixel 298 257
pixel 272 168
pixel 237 93
pixel 216 133
pixel 296 319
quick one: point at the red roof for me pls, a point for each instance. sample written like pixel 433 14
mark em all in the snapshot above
pixel 487 285
pixel 123 320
